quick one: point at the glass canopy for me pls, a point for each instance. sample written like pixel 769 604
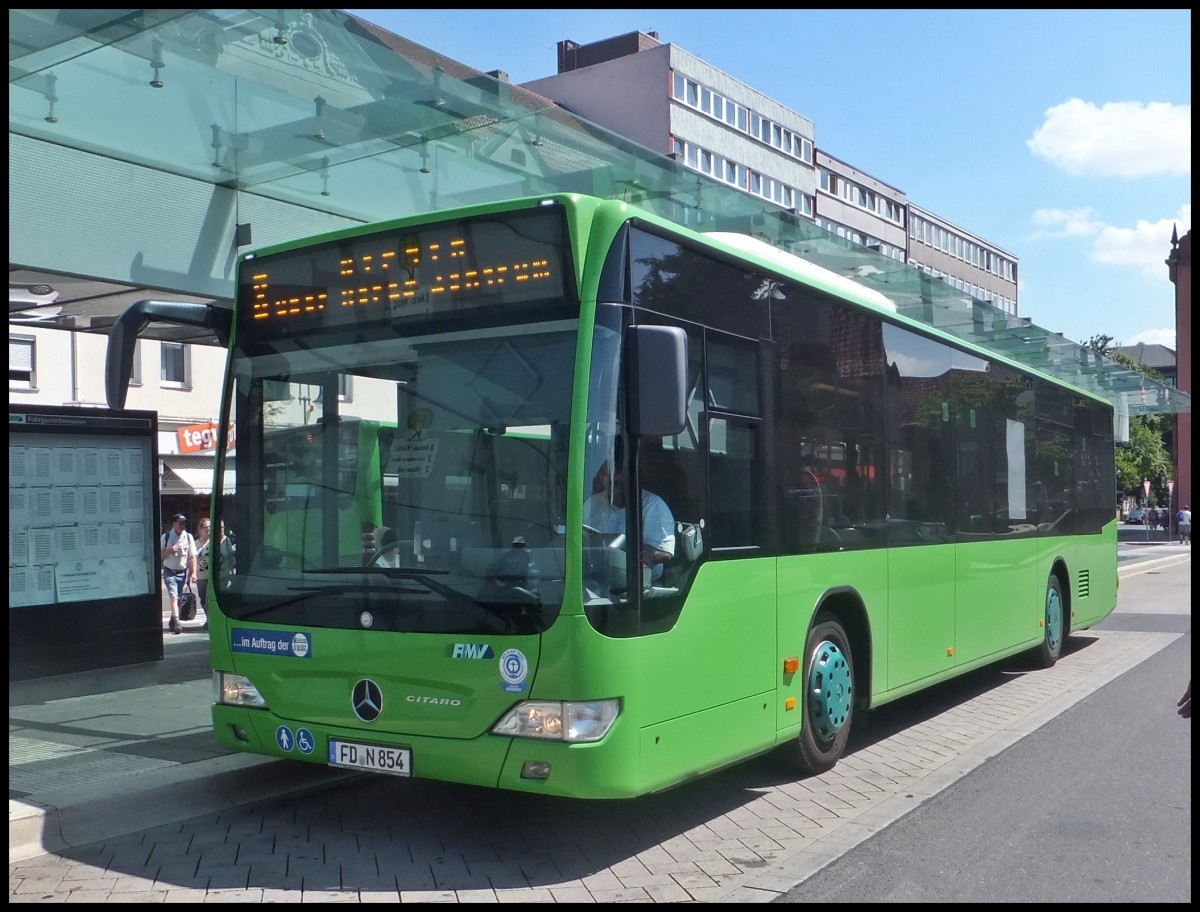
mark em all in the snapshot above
pixel 318 108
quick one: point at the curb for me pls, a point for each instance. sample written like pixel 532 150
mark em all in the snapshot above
pixel 78 816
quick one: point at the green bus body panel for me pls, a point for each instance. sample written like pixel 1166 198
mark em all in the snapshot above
pixel 998 597
pixel 920 613
pixel 1096 556
pixel 708 686
pixel 708 693
pixel 721 735
pixel 722 650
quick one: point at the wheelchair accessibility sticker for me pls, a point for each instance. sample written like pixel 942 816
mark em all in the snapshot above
pixel 305 740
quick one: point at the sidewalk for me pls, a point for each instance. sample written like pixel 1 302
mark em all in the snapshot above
pixel 1134 550
pixel 104 753
pixel 112 751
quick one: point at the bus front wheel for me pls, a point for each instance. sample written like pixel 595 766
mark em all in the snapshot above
pixel 828 698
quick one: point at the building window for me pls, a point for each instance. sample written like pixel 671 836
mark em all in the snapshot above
pixel 176 365
pixel 806 150
pixel 135 375
pixel 718 106
pixel 22 362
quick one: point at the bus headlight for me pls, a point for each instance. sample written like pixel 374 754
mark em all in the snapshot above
pixel 551 720
pixel 236 690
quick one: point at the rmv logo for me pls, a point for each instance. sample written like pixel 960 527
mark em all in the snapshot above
pixel 472 651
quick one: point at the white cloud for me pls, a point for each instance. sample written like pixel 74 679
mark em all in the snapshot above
pixel 1066 223
pixel 1118 139
pixel 1144 246
pixel 1154 337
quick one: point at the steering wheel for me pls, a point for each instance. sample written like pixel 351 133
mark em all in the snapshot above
pixel 592 537
pixel 372 561
pixel 273 558
pixel 523 597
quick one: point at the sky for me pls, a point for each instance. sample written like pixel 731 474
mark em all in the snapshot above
pixel 1062 136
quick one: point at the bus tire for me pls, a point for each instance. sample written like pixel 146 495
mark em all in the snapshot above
pixel 1054 625
pixel 828 697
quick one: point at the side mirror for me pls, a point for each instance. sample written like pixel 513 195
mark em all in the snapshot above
pixel 657 373
pixel 123 335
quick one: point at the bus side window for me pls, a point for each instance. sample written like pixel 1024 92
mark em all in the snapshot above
pixel 734 521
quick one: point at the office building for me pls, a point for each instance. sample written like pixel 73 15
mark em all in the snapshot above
pixel 670 101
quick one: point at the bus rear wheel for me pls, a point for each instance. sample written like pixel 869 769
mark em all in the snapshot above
pixel 828 698
pixel 1055 625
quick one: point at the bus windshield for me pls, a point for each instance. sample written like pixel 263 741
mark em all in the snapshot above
pixel 417 482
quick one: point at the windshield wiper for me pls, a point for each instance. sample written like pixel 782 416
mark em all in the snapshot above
pixel 392 572
pixel 306 592
pixel 303 593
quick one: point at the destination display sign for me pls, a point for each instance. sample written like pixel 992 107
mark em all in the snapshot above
pixel 483 262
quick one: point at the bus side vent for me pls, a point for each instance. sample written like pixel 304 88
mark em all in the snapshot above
pixel 1083 587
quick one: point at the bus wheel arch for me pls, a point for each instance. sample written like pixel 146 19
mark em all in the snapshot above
pixel 831 684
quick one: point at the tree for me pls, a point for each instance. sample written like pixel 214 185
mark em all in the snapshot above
pixel 1101 345
pixel 1144 456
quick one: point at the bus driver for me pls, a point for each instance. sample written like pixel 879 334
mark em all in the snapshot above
pixel 604 511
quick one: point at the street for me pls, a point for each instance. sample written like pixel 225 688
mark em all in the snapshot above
pixel 1095 806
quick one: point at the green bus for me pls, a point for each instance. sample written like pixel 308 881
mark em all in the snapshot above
pixel 831 506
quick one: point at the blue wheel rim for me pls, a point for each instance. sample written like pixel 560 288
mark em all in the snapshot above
pixel 1054 619
pixel 830 690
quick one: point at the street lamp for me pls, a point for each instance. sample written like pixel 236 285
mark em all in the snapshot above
pixel 1170 511
pixel 1146 508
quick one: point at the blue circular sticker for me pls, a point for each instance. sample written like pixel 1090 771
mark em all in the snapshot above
pixel 305 740
pixel 513 669
pixel 283 737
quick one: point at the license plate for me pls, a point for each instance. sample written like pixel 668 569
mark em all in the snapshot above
pixel 396 761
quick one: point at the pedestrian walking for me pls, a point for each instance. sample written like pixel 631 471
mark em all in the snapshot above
pixel 203 546
pixel 178 557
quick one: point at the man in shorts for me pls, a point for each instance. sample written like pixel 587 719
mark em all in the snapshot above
pixel 178 557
